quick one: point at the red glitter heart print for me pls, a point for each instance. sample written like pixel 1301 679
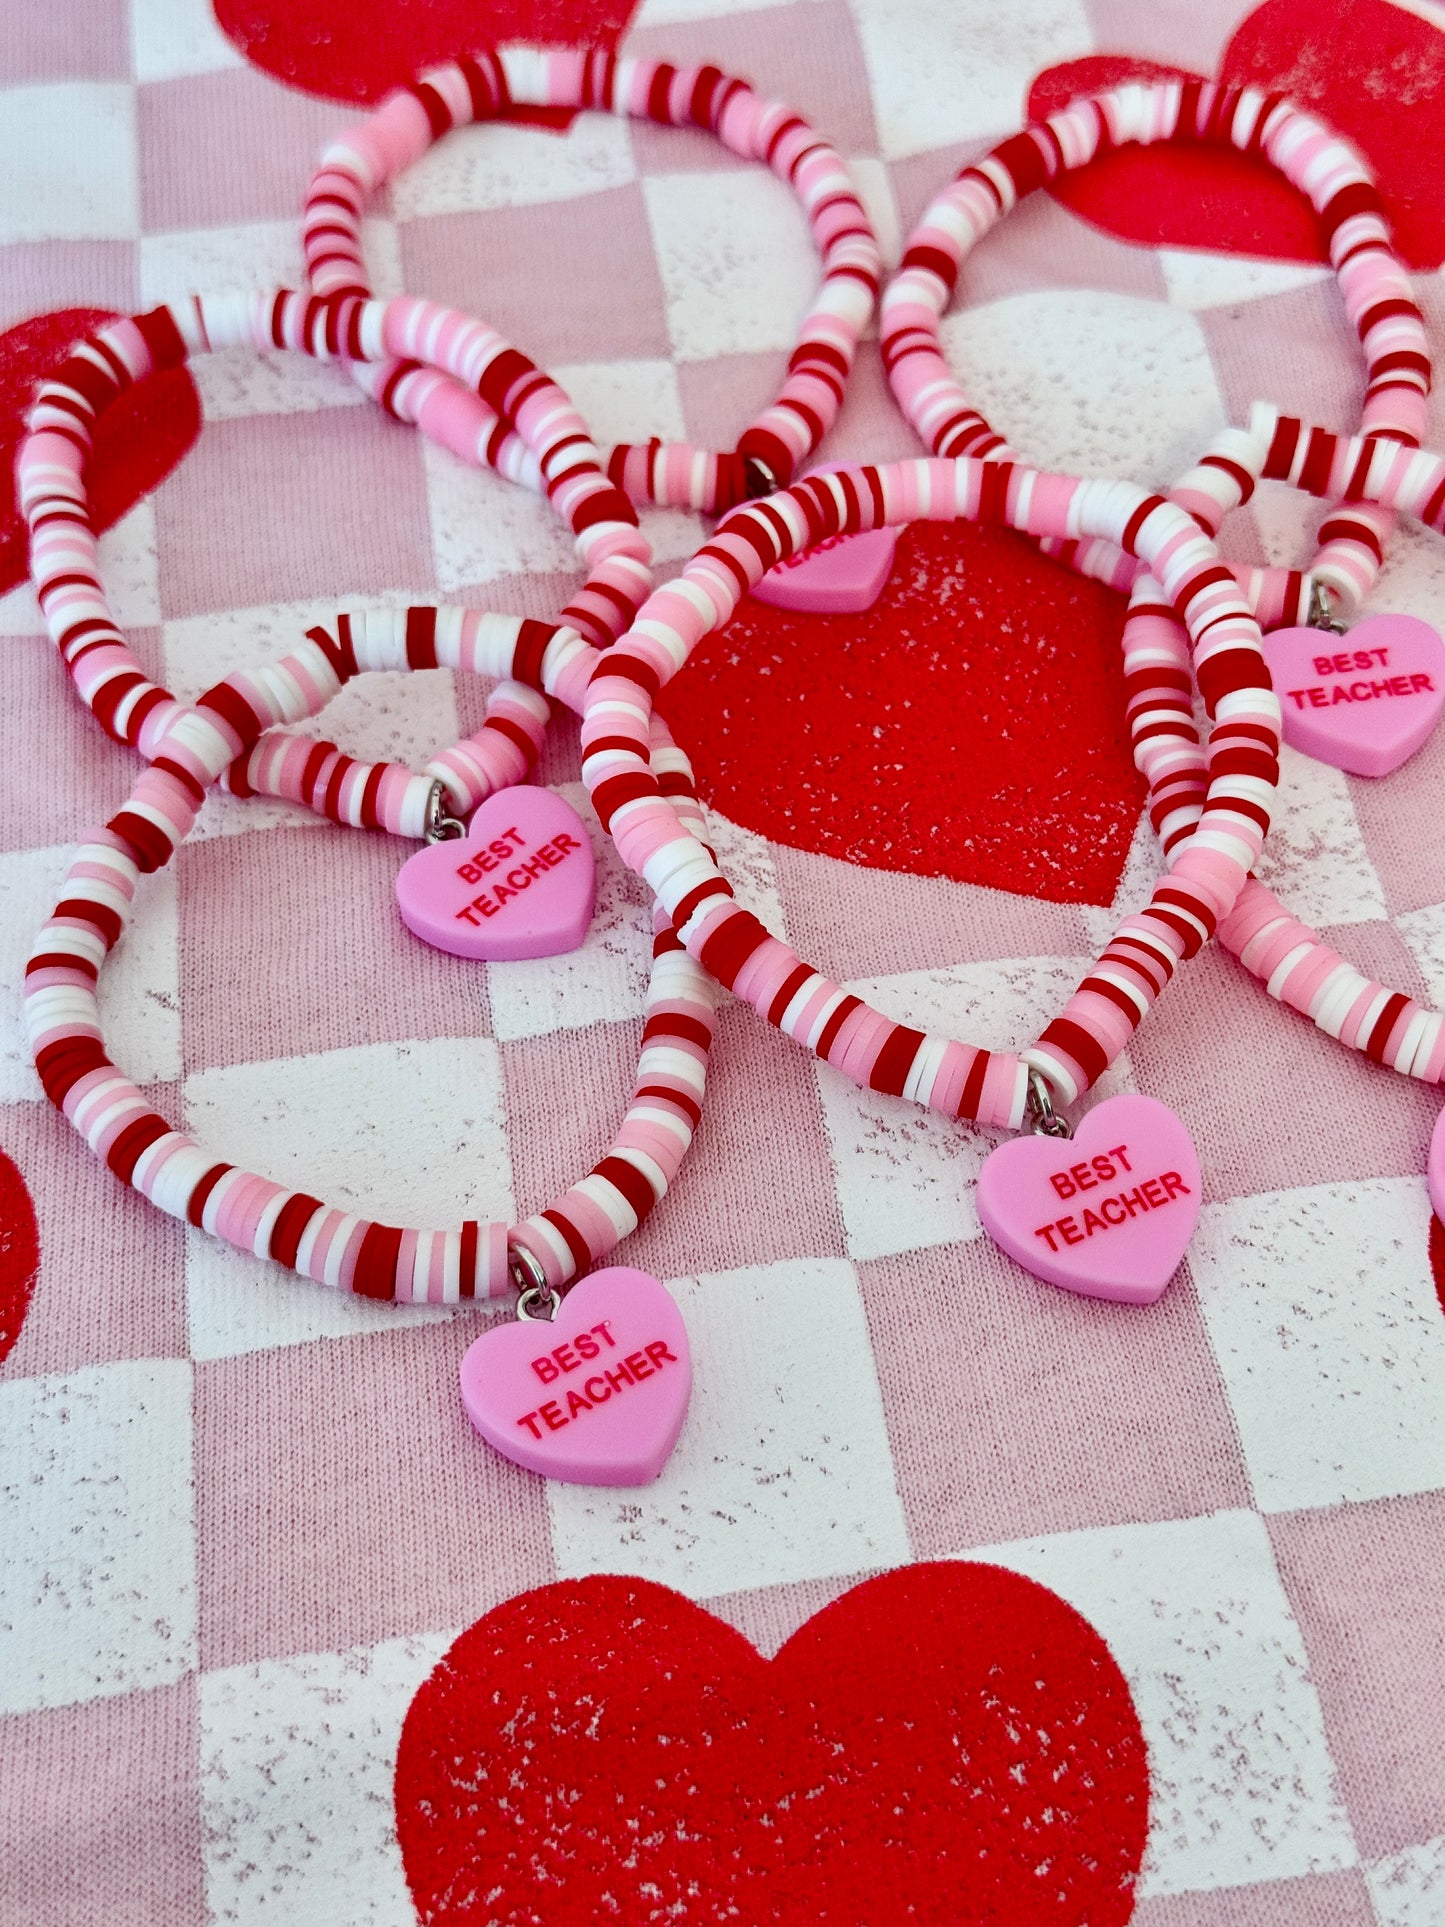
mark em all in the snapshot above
pixel 358 50
pixel 969 725
pixel 137 443
pixel 1373 71
pixel 945 1744
pixel 19 1253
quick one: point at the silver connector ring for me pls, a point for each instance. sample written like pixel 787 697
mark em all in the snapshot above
pixel 536 1300
pixel 440 826
pixel 1040 1117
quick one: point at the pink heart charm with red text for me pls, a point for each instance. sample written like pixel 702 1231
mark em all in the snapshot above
pixel 521 883
pixel 841 576
pixel 1106 1213
pixel 1364 701
pixel 595 1397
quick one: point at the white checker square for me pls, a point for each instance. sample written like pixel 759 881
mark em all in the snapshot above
pixel 1413 577
pixel 668 13
pixel 297 1759
pixel 783 1471
pixel 68 160
pixel 496 166
pixel 171 38
pixel 1408 1888
pixel 235 385
pixel 406 1133
pixel 256 255
pixel 630 401
pixel 736 260
pixel 874 185
pixel 139 989
pixel 605 979
pixel 97 1582
pixel 1322 1312
pixel 235 1304
pixel 129 568
pixel 1424 931
pixel 1315 858
pixel 905 1174
pixel 1241 1783
pixel 1196 279
pixel 1090 383
pixel 942 73
pixel 483 528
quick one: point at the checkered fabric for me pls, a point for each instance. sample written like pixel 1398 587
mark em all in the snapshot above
pixel 241 1518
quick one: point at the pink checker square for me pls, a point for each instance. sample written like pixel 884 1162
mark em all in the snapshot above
pixel 822 74
pixel 1365 1584
pixel 854 922
pixel 756 1186
pixel 183 124
pixel 328 961
pixel 498 262
pixel 54 43
pixel 1294 347
pixel 278 507
pixel 111 1282
pixel 1040 247
pixel 71 775
pixel 384 1512
pixel 1051 1434
pixel 769 1615
pixel 1410 866
pixel 100 1813
pixel 1272 1103
pixel 38 277
pixel 1190 37
pixel 1314 1900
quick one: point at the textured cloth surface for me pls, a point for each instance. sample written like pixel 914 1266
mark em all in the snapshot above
pixel 240 1520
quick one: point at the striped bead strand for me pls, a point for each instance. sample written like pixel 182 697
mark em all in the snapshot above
pixel 330 1245
pixel 64 555
pixel 493 82
pixel 1293 961
pixel 959 1079
pixel 1376 289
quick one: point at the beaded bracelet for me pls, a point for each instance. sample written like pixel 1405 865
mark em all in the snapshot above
pixel 474 1260
pixel 483 86
pixel 1376 289
pixel 1208 872
pixel 549 437
pixel 1290 959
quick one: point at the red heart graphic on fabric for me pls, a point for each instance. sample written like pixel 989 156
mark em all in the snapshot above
pixel 969 725
pixel 945 1744
pixel 137 443
pixel 1373 71
pixel 358 50
pixel 1437 1257
pixel 19 1253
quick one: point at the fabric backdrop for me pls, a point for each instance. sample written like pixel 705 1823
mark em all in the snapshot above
pixel 241 1521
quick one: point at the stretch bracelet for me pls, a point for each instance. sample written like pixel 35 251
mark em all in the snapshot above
pixel 1291 960
pixel 323 1242
pixel 52 467
pixel 1376 288
pixel 488 84
pixel 1131 1155
pixel 958 1079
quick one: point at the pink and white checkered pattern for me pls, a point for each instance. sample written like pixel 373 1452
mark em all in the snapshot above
pixel 241 1518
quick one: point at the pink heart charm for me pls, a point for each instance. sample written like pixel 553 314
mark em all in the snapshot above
pixel 1107 1212
pixel 1364 701
pixel 842 576
pixel 596 1397
pixel 521 883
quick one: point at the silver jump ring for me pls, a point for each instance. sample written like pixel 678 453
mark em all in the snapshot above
pixel 1322 609
pixel 441 827
pixel 536 1300
pixel 1039 1114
